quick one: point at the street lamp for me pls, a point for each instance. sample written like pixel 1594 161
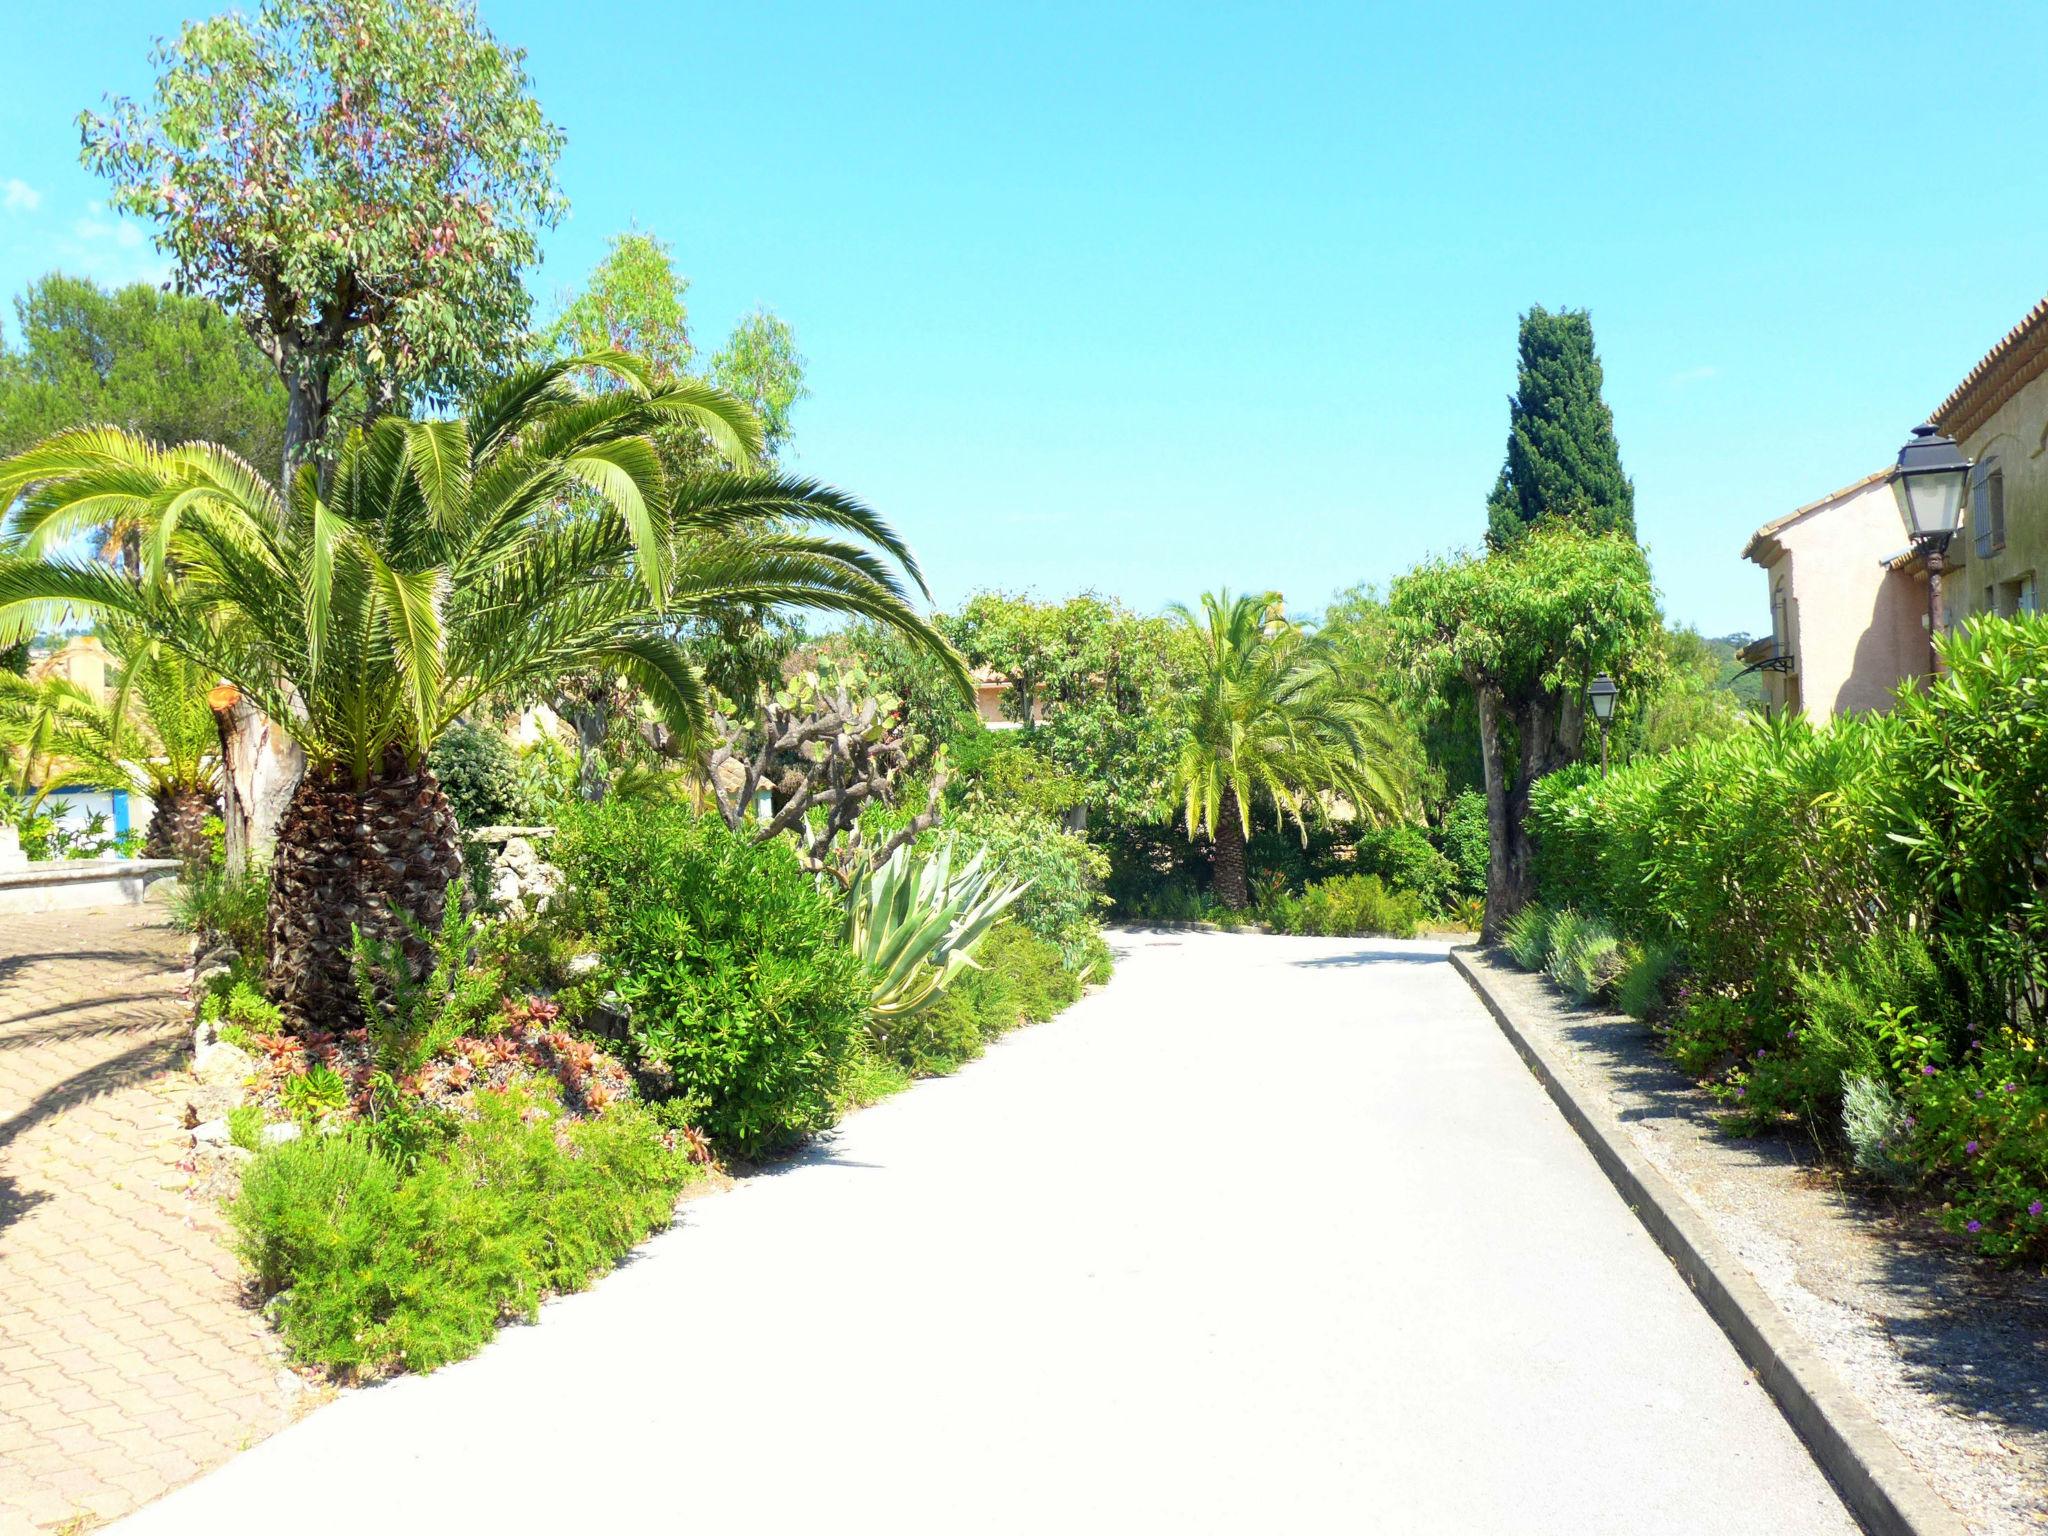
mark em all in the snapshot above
pixel 1929 482
pixel 1603 693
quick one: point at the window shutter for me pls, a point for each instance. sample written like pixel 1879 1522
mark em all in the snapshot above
pixel 1980 514
pixel 1994 487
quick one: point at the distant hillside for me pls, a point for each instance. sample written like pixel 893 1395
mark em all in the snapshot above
pixel 1750 688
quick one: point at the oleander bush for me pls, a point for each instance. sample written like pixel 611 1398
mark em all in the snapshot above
pixel 1862 915
pixel 1464 839
pixel 727 960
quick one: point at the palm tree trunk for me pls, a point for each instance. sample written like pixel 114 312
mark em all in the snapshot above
pixel 177 828
pixel 1232 889
pixel 260 769
pixel 349 859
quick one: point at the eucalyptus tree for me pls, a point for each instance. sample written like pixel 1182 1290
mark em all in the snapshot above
pixel 441 563
pixel 1275 717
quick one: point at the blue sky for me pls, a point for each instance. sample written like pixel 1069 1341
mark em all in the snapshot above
pixel 1154 298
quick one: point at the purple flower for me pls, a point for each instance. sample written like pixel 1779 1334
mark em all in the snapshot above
pixel 1978 1094
pixel 1976 1226
pixel 1970 1147
pixel 2012 1087
pixel 1741 1092
pixel 1927 1071
pixel 2034 1209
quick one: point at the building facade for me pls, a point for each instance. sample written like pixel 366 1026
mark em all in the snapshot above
pixel 1998 416
pixel 1848 604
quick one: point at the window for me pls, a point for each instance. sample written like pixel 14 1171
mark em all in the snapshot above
pixel 2014 597
pixel 1987 508
pixel 1781 621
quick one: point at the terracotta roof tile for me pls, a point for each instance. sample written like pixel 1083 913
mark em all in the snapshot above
pixel 2017 360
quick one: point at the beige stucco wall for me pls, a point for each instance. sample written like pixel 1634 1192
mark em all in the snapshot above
pixel 1854 627
pixel 2014 436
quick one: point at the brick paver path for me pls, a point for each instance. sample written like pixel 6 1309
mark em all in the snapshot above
pixel 128 1362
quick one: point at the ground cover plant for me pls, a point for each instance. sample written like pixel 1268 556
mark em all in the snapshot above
pixel 382 1265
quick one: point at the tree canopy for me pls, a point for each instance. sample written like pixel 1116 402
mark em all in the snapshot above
pixel 637 300
pixel 361 181
pixel 1562 459
pixel 166 367
pixel 1525 629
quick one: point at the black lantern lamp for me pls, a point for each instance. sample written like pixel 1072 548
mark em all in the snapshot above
pixel 1603 693
pixel 1930 481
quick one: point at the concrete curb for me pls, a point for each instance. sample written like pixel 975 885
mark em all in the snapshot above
pixel 1873 1476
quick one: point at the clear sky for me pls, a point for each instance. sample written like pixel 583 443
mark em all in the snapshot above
pixel 1153 298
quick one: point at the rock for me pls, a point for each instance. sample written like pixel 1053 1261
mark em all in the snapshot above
pixel 211 1103
pixel 217 1170
pixel 221 1064
pixel 210 1131
pixel 583 964
pixel 279 1131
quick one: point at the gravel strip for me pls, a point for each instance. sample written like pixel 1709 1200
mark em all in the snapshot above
pixel 1949 1353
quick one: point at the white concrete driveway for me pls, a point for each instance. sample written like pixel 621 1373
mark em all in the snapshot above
pixel 1270 1235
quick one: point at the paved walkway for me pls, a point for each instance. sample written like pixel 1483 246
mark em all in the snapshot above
pixel 127 1361
pixel 1269 1235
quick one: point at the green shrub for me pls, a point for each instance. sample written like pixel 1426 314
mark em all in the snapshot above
pixel 1466 841
pixel 234 1003
pixel 1864 917
pixel 1646 973
pixel 479 773
pixel 380 1270
pixel 1018 979
pixel 245 1126
pixel 224 909
pixel 1350 905
pixel 1527 937
pixel 1878 1129
pixel 1584 957
pixel 1289 859
pixel 1001 770
pixel 728 959
pixel 1707 1031
pixel 1406 860
pixel 1064 899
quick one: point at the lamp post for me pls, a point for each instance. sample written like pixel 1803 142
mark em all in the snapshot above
pixel 1929 481
pixel 1603 694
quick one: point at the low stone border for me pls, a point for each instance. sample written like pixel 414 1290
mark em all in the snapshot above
pixel 1873 1476
pixel 63 885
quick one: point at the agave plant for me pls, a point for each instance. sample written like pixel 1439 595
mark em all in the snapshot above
pixel 917 920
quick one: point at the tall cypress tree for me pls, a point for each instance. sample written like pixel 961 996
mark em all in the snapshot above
pixel 1562 459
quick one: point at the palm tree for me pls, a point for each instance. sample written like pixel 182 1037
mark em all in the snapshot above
pixel 437 564
pixel 156 738
pixel 41 720
pixel 1275 716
